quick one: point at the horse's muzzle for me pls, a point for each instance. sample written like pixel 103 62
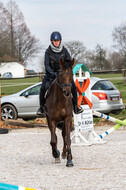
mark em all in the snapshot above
pixel 67 93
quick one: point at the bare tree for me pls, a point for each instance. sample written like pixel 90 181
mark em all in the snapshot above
pixel 90 60
pixel 3 31
pixel 101 61
pixel 119 37
pixel 77 50
pixel 21 44
pixel 116 60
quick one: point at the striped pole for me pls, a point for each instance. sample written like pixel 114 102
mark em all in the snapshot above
pixel 111 130
pixel 0 103
pixel 109 118
pixel 4 186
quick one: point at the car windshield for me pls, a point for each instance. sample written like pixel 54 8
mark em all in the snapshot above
pixel 32 91
pixel 103 85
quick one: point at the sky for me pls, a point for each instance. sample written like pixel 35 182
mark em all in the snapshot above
pixel 89 21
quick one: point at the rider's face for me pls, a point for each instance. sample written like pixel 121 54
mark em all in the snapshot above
pixel 56 43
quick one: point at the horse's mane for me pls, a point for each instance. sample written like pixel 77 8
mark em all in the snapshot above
pixel 67 64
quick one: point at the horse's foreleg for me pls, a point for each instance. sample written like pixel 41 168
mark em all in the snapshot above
pixel 64 143
pixel 53 142
pixel 68 124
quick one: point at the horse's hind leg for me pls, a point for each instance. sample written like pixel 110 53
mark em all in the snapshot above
pixel 53 142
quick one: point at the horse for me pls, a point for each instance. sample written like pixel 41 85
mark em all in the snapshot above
pixel 59 108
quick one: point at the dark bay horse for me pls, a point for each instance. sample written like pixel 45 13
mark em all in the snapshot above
pixel 60 108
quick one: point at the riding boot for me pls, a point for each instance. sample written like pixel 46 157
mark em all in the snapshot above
pixel 77 109
pixel 42 102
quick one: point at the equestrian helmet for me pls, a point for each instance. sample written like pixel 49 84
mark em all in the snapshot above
pixel 55 36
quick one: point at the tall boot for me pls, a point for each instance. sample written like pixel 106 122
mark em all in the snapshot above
pixel 42 102
pixel 77 109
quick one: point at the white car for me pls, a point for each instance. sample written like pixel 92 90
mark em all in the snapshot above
pixel 105 98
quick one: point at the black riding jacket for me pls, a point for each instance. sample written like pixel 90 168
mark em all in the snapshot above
pixel 52 60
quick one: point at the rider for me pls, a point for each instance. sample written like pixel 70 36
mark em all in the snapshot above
pixel 52 56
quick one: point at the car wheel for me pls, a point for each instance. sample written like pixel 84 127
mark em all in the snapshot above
pixel 8 112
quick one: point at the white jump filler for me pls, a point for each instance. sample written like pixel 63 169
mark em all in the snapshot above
pixel 84 121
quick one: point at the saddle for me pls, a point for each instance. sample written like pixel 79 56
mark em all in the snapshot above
pixel 48 87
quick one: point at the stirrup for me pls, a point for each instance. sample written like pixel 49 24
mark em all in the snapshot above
pixel 41 111
pixel 78 110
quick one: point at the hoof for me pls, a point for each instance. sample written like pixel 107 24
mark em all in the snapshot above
pixel 57 160
pixel 69 163
pixel 72 129
pixel 63 156
pixel 56 153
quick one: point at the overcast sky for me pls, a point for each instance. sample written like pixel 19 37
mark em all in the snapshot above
pixel 89 21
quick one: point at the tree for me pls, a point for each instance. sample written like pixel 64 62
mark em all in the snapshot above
pixel 90 60
pixel 21 44
pixel 116 60
pixel 119 37
pixel 77 50
pixel 3 31
pixel 100 58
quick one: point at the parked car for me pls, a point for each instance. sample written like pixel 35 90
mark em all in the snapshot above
pixel 7 75
pixel 30 73
pixel 105 98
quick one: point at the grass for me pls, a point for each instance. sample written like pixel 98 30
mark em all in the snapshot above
pixel 10 86
pixel 20 84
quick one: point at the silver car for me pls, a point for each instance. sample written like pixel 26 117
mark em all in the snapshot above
pixel 22 104
pixel 105 98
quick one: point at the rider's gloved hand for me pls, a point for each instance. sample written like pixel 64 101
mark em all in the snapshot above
pixel 54 74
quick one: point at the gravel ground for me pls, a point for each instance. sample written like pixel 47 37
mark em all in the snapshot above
pixel 26 160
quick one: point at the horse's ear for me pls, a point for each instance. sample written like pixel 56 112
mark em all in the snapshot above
pixel 73 61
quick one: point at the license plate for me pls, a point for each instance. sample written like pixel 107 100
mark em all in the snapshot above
pixel 114 98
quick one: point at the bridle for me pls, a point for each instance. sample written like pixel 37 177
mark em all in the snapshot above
pixel 62 85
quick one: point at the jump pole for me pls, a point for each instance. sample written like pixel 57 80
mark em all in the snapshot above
pixel 111 130
pixel 0 103
pixel 4 186
pixel 109 118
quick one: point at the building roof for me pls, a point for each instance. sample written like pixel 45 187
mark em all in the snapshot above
pixel 9 59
